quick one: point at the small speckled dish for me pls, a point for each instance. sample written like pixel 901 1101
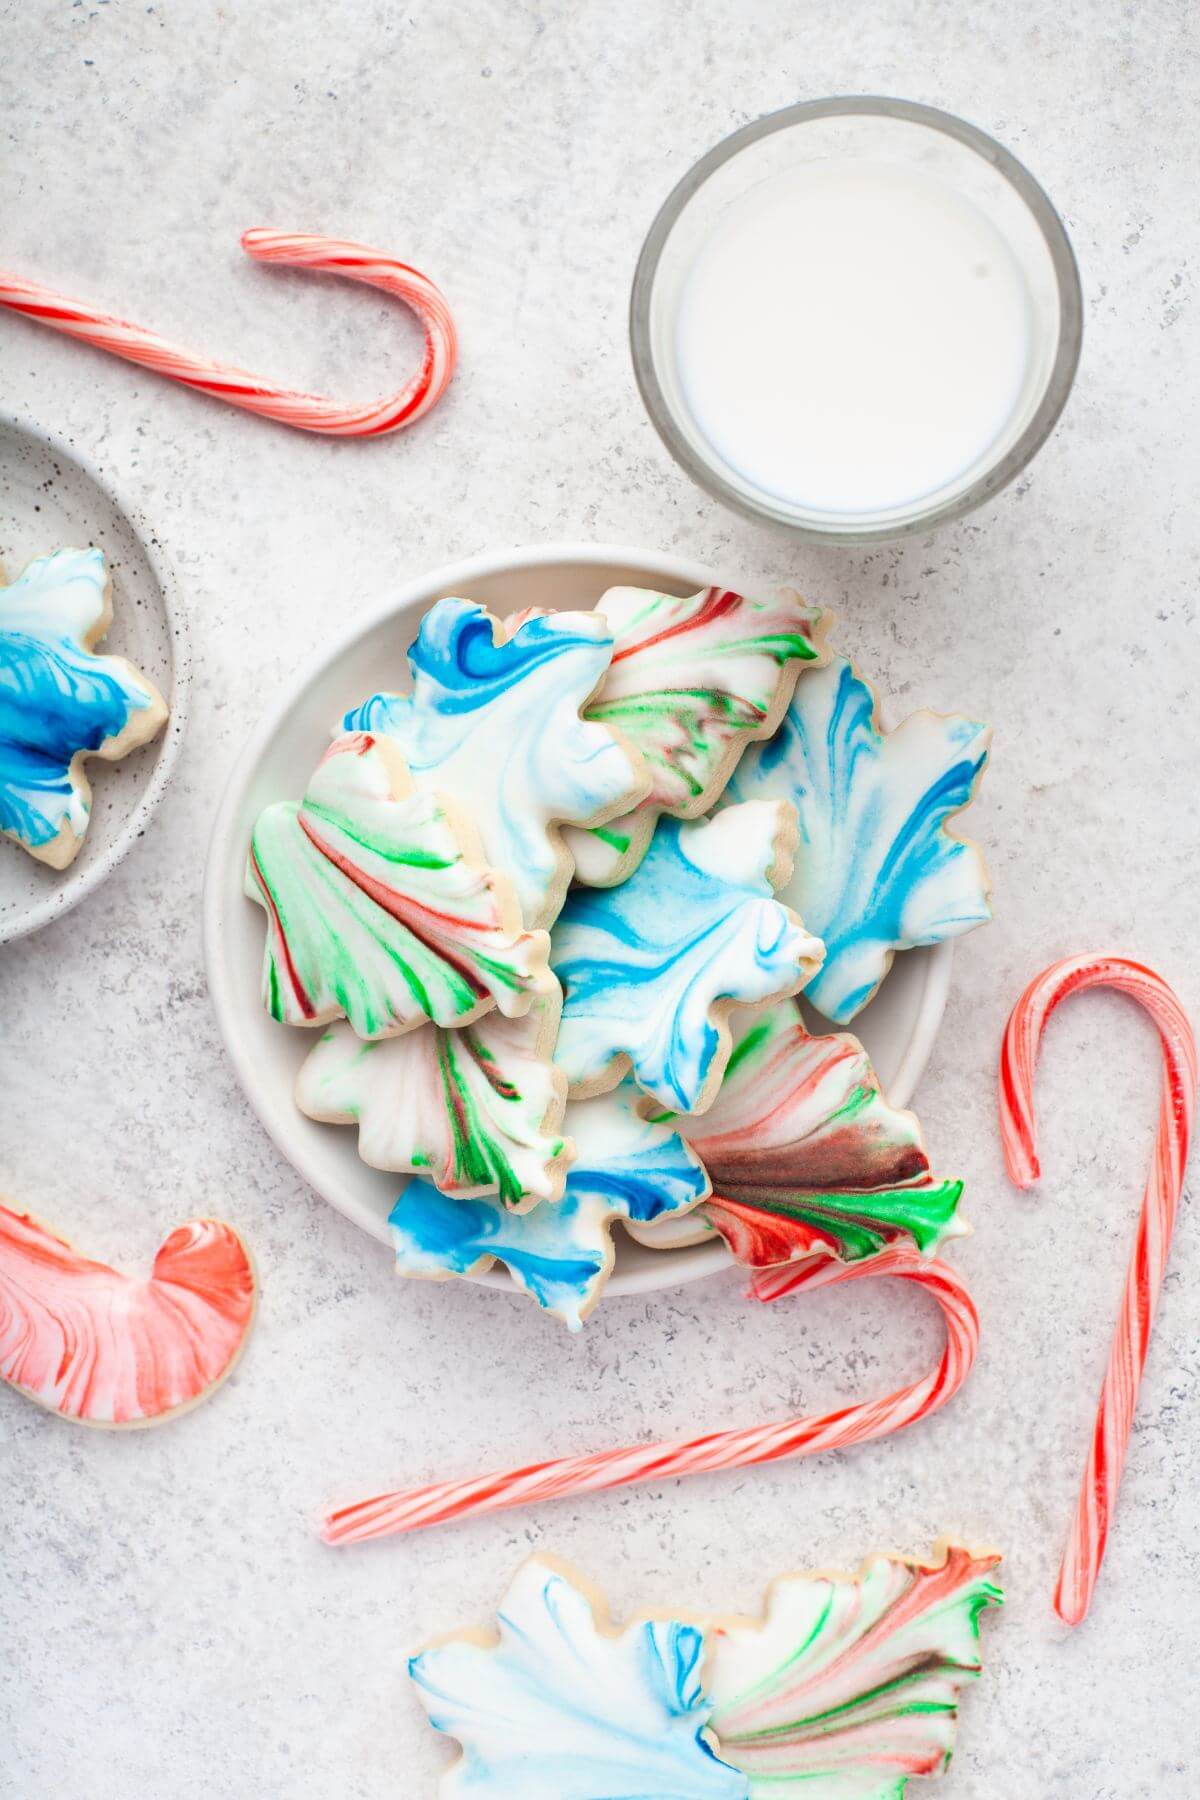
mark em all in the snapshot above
pixel 51 500
pixel 898 1027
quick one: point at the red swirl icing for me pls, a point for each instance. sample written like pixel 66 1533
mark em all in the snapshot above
pixel 92 1344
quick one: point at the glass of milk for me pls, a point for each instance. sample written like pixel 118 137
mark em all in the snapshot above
pixel 857 317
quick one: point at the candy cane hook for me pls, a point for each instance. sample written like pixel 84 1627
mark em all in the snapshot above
pixel 307 412
pixel 1143 1282
pixel 411 1509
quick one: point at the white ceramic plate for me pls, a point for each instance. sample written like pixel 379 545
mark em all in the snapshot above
pixel 898 1027
pixel 50 501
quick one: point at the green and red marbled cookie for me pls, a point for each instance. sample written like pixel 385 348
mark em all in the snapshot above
pixel 846 1688
pixel 806 1156
pixel 475 1111
pixel 692 682
pixel 380 908
pixel 849 1684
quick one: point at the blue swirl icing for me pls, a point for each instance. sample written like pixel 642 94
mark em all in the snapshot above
pixel 497 726
pixel 876 870
pixel 560 1253
pixel 558 1709
pixel 643 964
pixel 456 650
pixel 57 699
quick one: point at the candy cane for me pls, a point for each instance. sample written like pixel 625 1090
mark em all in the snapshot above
pixel 308 412
pixel 1143 1282
pixel 411 1509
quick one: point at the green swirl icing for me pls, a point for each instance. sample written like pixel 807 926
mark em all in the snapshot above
pixel 375 911
pixel 807 1156
pixel 692 681
pixel 850 1684
pixel 865 1224
pixel 478 1109
pixel 690 676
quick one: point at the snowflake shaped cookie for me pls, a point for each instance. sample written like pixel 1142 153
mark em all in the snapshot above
pixel 847 1687
pixel 560 1706
pixel 650 969
pixel 560 1254
pixel 876 868
pixel 379 906
pixel 850 1684
pixel 477 1110
pixel 61 703
pixel 806 1156
pixel 493 720
pixel 692 682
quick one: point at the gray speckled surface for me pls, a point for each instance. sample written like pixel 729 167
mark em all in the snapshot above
pixel 169 1623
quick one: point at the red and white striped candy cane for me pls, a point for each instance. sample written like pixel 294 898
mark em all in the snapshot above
pixel 411 1509
pixel 1143 1282
pixel 308 412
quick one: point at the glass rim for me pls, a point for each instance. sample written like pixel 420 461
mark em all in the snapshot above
pixel 1062 372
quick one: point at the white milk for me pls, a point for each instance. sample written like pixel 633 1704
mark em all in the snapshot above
pixel 853 336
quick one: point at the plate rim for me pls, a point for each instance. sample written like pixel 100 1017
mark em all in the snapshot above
pixel 78 884
pixel 688 1263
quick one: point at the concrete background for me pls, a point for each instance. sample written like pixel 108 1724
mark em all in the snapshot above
pixel 168 1624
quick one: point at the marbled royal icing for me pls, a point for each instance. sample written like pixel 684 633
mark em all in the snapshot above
pixel 560 1254
pixel 561 1707
pixel 844 1690
pixel 101 1347
pixel 60 702
pixel 649 969
pixel 478 1110
pixel 876 869
pixel 850 1684
pixel 806 1156
pixel 493 721
pixel 379 907
pixel 692 682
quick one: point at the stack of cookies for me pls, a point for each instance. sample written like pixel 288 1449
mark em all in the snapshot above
pixel 552 909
